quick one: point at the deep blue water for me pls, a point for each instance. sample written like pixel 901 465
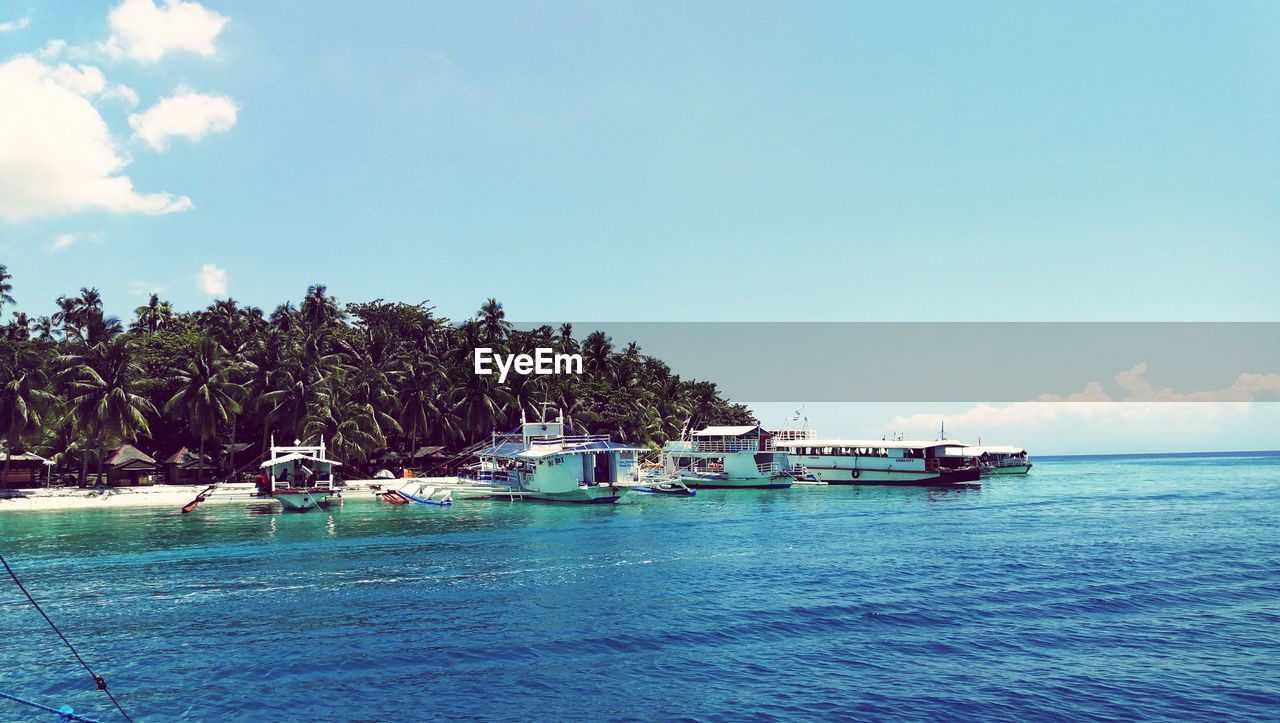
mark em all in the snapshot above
pixel 1095 588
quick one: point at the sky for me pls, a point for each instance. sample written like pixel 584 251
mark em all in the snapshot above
pixel 625 161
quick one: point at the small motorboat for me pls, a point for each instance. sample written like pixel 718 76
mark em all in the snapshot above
pixel 668 487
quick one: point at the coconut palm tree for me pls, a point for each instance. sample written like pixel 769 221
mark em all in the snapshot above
pixel 152 316
pixel 494 318
pixel 20 328
pixel 103 396
pixel 418 387
pixel 207 396
pixel 43 328
pixel 596 350
pixel 282 319
pixel 319 309
pixel 5 287
pixel 24 399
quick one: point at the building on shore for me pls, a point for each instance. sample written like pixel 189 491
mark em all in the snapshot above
pixel 186 466
pixel 25 469
pixel 130 466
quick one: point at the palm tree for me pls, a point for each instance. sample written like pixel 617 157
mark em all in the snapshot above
pixel 102 395
pixel 43 328
pixel 319 309
pixel 494 318
pixel 20 328
pixel 65 317
pixel 93 328
pixel 596 349
pixel 24 399
pixel 206 396
pixel 153 315
pixel 5 287
pixel 283 317
pixel 418 387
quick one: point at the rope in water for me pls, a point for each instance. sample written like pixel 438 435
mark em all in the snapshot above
pixel 98 680
pixel 66 714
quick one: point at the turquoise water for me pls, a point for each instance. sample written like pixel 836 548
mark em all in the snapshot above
pixel 1138 587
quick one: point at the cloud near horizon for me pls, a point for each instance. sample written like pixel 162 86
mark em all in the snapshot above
pixel 213 280
pixel 56 152
pixel 184 114
pixel 145 32
pixel 1142 409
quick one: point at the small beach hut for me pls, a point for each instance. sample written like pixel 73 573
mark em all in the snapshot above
pixel 185 467
pixel 130 466
pixel 26 469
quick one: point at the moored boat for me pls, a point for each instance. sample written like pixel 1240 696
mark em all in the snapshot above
pixel 299 476
pixel 543 462
pixel 727 457
pixel 1002 459
pixel 883 462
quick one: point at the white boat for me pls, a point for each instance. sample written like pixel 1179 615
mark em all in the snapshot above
pixel 727 457
pixel 542 462
pixel 300 476
pixel 883 462
pixel 1002 459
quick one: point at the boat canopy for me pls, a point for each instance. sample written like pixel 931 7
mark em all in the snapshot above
pixel 742 431
pixel 292 456
pixel 512 450
pixel 869 443
pixel 999 449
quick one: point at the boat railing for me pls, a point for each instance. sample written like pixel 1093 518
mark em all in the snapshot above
pixel 568 441
pixel 726 445
pixel 768 468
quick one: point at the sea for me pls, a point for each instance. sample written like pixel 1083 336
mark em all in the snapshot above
pixel 1094 588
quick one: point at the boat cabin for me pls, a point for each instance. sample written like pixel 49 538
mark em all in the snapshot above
pixel 299 467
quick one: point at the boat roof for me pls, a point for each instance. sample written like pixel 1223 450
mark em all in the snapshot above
pixel 737 431
pixel 295 456
pixel 521 450
pixel 999 449
pixel 870 443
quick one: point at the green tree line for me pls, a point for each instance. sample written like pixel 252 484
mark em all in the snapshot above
pixel 367 376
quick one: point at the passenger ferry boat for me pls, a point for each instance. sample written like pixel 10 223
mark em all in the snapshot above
pixel 727 457
pixel 542 462
pixel 299 476
pixel 882 462
pixel 1002 459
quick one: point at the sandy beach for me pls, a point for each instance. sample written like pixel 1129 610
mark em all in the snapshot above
pixel 72 498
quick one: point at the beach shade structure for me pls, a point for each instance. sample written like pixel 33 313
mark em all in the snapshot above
pixel 25 469
pixel 130 466
pixel 186 466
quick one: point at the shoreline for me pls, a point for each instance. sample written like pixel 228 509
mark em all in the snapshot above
pixel 175 496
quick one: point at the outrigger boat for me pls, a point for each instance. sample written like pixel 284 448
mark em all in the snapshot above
pixel 883 462
pixel 727 457
pixel 1002 459
pixel 544 462
pixel 300 477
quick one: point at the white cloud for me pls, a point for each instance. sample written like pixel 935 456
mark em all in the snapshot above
pixel 138 287
pixel 187 114
pixel 121 91
pixel 52 49
pixel 56 152
pixel 1159 416
pixel 144 32
pixel 213 280
pixel 12 25
pixel 64 241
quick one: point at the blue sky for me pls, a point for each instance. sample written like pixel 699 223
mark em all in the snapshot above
pixel 661 161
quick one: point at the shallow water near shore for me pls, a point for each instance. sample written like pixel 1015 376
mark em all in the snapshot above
pixel 1103 587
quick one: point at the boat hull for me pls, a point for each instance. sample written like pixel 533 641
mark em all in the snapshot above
pixel 1014 469
pixel 838 476
pixel 780 482
pixel 596 494
pixel 301 501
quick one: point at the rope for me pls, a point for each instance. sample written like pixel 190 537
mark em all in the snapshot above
pixel 65 714
pixel 98 680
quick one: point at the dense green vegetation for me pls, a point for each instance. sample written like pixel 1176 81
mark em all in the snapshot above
pixel 369 377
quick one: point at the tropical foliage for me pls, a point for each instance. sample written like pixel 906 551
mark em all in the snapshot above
pixel 369 377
